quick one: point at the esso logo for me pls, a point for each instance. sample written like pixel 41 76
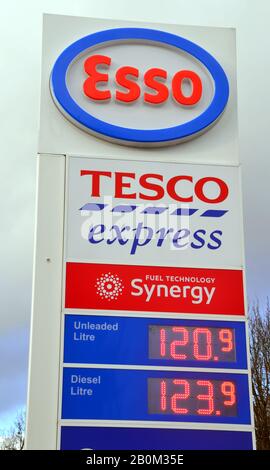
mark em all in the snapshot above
pixel 125 78
pixel 139 87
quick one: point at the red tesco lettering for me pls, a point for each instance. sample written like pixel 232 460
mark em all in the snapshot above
pixel 153 187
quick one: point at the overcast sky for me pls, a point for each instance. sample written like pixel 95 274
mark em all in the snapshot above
pixel 20 60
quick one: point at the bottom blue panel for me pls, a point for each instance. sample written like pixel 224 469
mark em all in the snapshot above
pixel 154 395
pixel 97 438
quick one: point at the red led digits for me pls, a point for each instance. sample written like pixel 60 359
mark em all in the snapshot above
pixel 163 395
pixel 228 389
pixel 180 396
pixel 208 397
pixel 183 342
pixel 191 343
pixel 162 342
pixel 226 337
pixel 208 336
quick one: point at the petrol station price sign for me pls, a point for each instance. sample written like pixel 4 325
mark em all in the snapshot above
pixel 106 238
pixel 166 240
pixel 144 251
pixel 151 395
pixel 154 341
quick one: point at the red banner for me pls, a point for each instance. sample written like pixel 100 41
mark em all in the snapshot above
pixel 154 289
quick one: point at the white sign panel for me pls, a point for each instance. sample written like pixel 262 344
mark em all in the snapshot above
pixel 153 85
pixel 161 214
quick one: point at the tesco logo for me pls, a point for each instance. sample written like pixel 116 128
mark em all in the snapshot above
pixel 139 87
pixel 154 188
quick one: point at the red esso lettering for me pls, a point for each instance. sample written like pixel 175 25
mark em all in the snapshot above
pixel 89 86
pixel 153 187
pixel 127 77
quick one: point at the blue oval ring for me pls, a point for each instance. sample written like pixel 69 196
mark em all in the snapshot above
pixel 127 135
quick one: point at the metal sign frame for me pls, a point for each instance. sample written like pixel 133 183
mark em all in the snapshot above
pixel 47 329
pixel 59 139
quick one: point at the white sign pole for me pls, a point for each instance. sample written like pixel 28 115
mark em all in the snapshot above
pixel 43 382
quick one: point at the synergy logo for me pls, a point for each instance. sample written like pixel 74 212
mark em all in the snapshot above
pixel 154 289
pixel 182 289
pixel 155 88
pixel 109 286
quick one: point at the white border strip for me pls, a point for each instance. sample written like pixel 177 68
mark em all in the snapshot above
pixel 156 425
pixel 161 368
pixel 149 315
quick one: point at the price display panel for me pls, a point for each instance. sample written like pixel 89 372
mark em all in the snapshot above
pixel 154 341
pixel 154 395
pixel 192 343
pixel 125 438
pixel 192 397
